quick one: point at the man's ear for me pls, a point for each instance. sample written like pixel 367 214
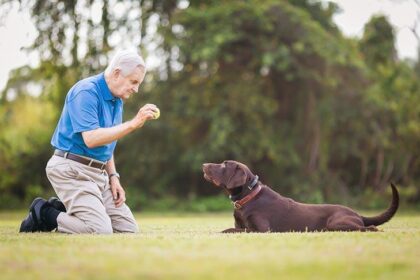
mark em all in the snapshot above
pixel 237 179
pixel 116 73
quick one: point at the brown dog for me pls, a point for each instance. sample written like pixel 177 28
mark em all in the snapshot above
pixel 260 209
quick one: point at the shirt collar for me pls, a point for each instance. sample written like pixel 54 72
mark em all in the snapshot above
pixel 105 89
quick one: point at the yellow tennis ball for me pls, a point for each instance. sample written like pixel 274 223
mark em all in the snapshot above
pixel 157 114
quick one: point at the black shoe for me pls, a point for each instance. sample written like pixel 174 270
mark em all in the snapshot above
pixel 33 221
pixel 57 204
pixel 28 224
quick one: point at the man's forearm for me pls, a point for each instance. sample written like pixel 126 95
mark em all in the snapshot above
pixel 102 136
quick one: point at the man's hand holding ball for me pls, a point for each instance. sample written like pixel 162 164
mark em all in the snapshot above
pixel 147 112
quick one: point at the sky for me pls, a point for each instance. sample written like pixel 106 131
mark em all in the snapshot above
pixel 17 31
pixel 401 13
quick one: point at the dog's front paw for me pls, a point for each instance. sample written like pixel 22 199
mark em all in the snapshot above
pixel 234 230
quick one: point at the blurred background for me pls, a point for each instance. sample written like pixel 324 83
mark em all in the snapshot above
pixel 319 98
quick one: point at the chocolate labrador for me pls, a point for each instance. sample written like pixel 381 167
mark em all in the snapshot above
pixel 260 209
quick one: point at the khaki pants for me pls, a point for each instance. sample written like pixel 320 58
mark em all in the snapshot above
pixel 87 196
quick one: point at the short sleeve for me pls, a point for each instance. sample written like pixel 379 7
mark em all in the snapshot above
pixel 83 111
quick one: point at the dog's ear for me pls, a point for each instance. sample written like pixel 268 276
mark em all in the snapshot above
pixel 238 178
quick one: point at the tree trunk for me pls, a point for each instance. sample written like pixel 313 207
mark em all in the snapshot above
pixel 363 172
pixel 313 133
pixel 379 167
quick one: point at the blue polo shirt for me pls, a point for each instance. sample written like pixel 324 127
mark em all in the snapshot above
pixel 89 105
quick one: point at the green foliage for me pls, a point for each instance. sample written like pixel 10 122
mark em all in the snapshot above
pixel 255 89
pixel 378 41
pixel 26 128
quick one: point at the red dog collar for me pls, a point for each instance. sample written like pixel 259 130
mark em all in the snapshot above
pixel 238 204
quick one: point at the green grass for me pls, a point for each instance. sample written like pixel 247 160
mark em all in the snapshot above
pixel 188 246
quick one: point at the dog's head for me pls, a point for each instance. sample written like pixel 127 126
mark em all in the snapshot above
pixel 229 174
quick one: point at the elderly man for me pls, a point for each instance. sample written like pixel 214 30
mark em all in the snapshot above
pixel 82 169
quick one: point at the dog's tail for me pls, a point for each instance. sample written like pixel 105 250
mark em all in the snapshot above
pixel 388 214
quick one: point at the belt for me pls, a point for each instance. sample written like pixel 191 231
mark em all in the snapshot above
pixel 79 159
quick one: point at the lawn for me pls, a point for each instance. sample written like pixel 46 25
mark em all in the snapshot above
pixel 188 246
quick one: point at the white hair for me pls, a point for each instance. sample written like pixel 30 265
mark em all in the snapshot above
pixel 126 61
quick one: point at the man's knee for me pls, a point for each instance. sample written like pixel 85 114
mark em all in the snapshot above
pixel 101 229
pixel 134 228
pixel 104 227
pixel 126 227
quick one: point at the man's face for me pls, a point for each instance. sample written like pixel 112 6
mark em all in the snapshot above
pixel 125 86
